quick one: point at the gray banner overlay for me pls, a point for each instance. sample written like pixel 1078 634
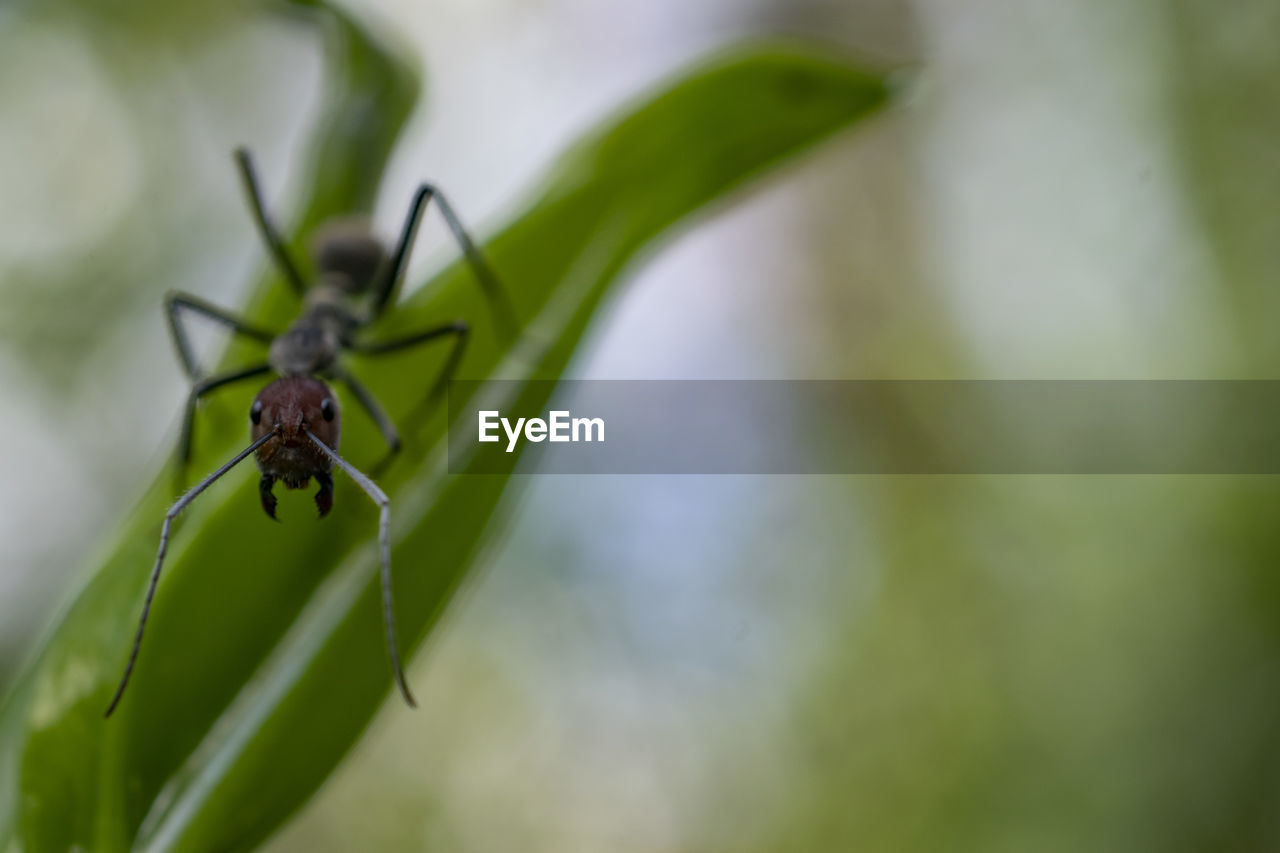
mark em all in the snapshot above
pixel 868 427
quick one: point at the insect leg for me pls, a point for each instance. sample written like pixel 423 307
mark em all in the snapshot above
pixel 458 330
pixel 371 405
pixel 499 302
pixel 175 303
pixel 279 252
pixel 201 388
pixel 164 546
pixel 380 498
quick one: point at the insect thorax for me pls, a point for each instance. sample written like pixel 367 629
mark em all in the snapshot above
pixel 312 344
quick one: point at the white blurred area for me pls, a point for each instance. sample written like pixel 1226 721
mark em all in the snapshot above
pixel 633 633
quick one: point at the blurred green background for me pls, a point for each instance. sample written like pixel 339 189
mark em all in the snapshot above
pixel 1068 190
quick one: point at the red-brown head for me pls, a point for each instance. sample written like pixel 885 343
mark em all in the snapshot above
pixel 289 407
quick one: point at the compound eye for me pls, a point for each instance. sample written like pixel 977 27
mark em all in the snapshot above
pixel 255 412
pixel 326 408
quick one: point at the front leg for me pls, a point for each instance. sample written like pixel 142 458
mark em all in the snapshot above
pixel 370 404
pixel 460 333
pixel 198 390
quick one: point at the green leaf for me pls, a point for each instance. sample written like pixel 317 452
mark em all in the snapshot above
pixel 264 659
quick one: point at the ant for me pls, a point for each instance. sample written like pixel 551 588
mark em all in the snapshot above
pixel 295 419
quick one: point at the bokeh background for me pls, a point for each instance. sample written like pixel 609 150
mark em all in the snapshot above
pixel 1065 190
